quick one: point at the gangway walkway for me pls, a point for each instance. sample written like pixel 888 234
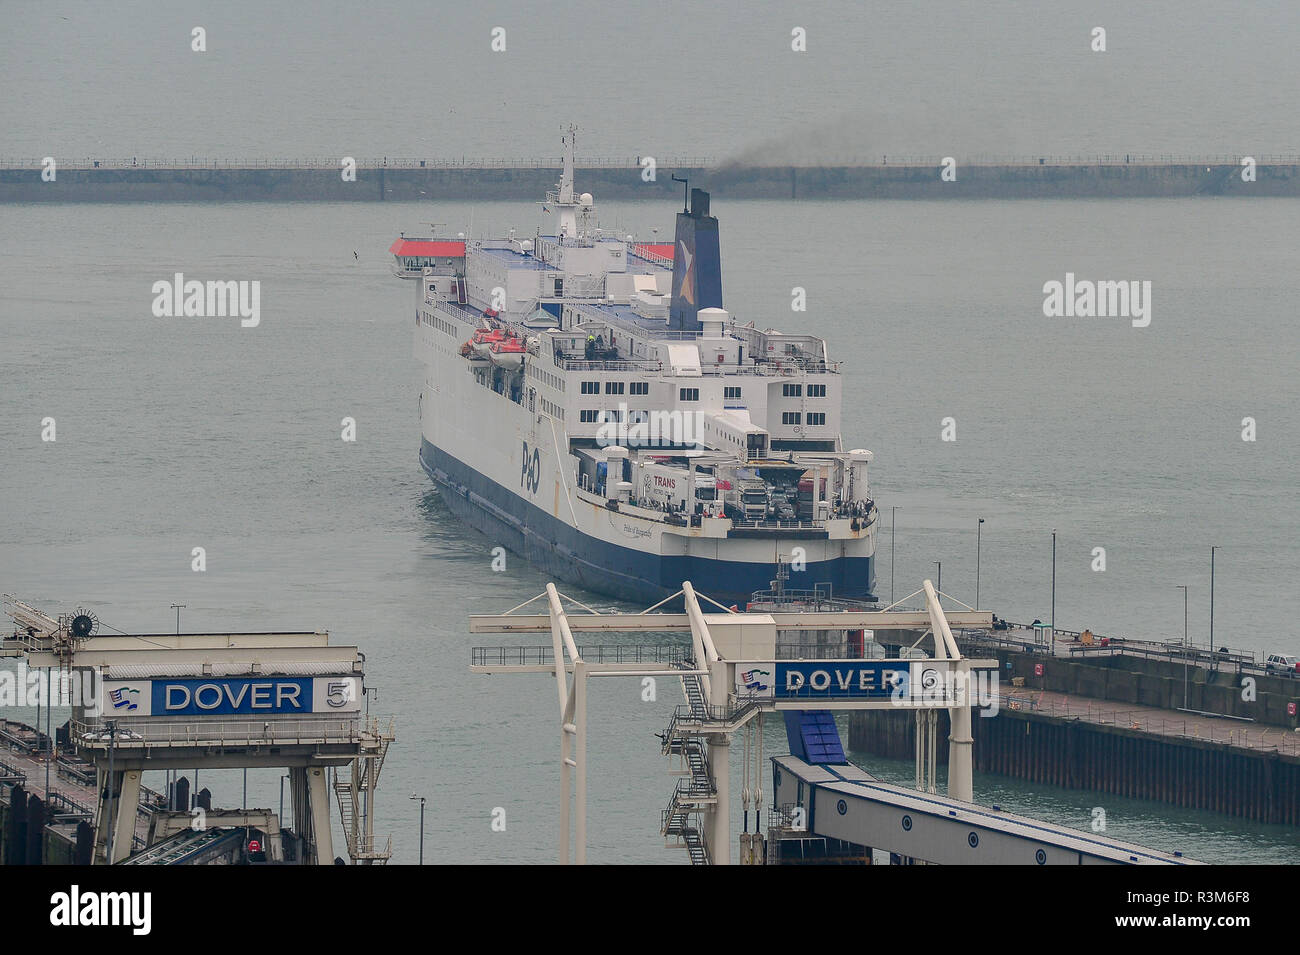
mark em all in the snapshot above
pixel 843 802
pixel 187 846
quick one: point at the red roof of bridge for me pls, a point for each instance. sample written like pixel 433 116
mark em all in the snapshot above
pixel 663 249
pixel 428 247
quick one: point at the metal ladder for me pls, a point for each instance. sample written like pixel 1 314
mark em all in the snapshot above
pixel 681 817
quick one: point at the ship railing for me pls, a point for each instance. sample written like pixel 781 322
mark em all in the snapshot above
pixel 639 250
pixel 773 368
pixel 657 653
pixel 618 364
pixel 139 732
pixel 791 525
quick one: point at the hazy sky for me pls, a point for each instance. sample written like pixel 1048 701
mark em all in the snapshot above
pixel 717 79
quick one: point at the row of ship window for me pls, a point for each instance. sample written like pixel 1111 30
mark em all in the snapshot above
pixel 616 387
pixel 693 394
pixel 592 416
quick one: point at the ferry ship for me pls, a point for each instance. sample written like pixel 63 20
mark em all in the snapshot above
pixel 589 404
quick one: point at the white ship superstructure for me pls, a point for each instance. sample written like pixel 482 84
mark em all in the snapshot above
pixel 589 404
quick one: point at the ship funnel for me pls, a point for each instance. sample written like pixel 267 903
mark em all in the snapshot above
pixel 697 265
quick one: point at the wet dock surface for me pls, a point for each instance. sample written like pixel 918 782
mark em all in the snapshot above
pixel 1152 719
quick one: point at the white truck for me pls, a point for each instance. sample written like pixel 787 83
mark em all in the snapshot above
pixel 747 499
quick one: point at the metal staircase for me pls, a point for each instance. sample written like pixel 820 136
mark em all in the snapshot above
pixel 697 790
pixel 353 791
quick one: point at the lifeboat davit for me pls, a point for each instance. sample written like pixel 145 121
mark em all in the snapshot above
pixel 485 338
pixel 508 354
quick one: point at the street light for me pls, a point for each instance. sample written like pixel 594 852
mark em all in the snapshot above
pixel 1053 583
pixel 178 608
pixel 421 798
pixel 112 746
pixel 893 520
pixel 979 530
pixel 938 587
pixel 1212 550
pixel 1183 588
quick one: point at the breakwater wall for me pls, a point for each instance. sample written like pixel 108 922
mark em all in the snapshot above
pixel 143 181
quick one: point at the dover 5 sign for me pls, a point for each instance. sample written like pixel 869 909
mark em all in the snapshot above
pixel 231 696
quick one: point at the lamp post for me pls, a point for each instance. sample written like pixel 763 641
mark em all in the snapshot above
pixel 421 798
pixel 1183 588
pixel 979 530
pixel 49 740
pixel 1053 584
pixel 112 746
pixel 938 587
pixel 1212 550
pixel 893 521
pixel 177 608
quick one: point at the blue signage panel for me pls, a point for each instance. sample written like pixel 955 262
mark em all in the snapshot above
pixel 856 679
pixel 218 696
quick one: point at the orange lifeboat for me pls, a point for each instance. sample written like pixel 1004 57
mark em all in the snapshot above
pixel 508 353
pixel 485 338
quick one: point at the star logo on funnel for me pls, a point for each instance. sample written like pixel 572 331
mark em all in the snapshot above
pixel 687 291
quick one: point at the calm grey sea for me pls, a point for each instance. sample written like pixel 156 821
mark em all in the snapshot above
pixel 177 433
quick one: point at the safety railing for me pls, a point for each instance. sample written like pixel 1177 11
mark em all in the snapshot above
pixel 140 732
pixel 63 804
pixel 658 653
pixel 12 775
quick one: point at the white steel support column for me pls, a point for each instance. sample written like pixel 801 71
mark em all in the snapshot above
pixel 961 784
pixel 566 784
pixel 124 813
pixel 719 828
pixel 318 798
pixel 580 757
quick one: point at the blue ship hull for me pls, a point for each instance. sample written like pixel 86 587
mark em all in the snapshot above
pixel 604 567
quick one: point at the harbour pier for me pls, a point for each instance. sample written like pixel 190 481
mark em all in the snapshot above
pixel 1197 729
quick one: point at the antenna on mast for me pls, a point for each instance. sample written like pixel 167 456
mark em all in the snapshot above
pixel 686 190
